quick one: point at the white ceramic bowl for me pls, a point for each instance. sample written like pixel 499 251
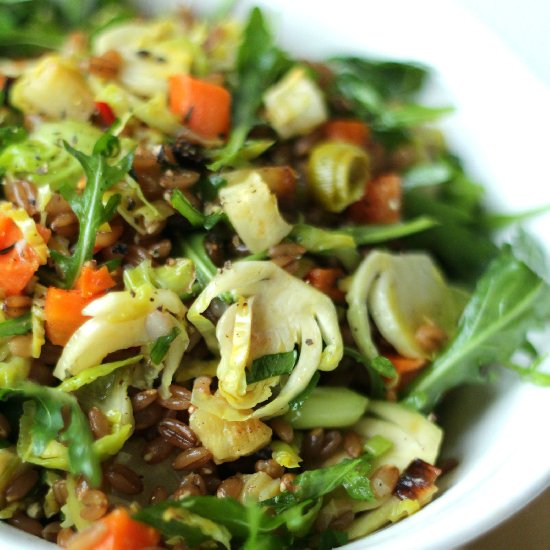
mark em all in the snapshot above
pixel 499 433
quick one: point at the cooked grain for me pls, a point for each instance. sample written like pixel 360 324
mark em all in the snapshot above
pixel 143 399
pixel 149 416
pixel 50 531
pixel 41 374
pixel 230 488
pixel 124 479
pixel 99 423
pixel 94 505
pixel 190 459
pixel 159 494
pixel 25 523
pixel 191 485
pixel 331 443
pixel 313 443
pixel 283 430
pixel 20 486
pixel 272 468
pixel 353 444
pixel 179 400
pixel 287 483
pixel 384 480
pixel 60 492
pixel 157 450
pixel 177 433
pixel 64 536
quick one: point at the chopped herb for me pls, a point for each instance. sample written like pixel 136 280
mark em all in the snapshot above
pixel 196 218
pixel 296 403
pixel 162 344
pixel 19 325
pixel 277 364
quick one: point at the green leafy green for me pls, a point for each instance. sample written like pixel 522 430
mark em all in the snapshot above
pixel 381 93
pixel 510 299
pixel 313 484
pixel 374 234
pixel 29 26
pixel 48 424
pixel 19 325
pixel 277 364
pixel 10 135
pixel 162 344
pixel 259 63
pixel 88 205
pixel 195 217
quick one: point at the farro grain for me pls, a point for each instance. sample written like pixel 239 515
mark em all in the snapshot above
pixel 272 468
pixel 50 531
pixel 94 505
pixel 21 486
pixel 41 373
pixel 64 536
pixel 331 443
pixel 99 423
pixel 124 479
pixel 353 444
pixel 159 494
pixel 25 523
pixel 191 485
pixel 190 459
pixel 230 487
pixel 179 400
pixel 60 491
pixel 287 483
pixel 283 430
pixel 384 480
pixel 143 399
pixel 157 450
pixel 313 443
pixel 21 346
pixel 177 433
pixel 149 416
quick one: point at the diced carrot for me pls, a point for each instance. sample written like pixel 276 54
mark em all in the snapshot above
pixel 63 313
pixel 18 260
pixel 116 531
pixel 381 203
pixel 352 131
pixel 106 114
pixel 325 279
pixel 203 107
pixel 94 281
pixel 406 364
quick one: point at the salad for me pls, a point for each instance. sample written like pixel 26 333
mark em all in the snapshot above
pixel 236 285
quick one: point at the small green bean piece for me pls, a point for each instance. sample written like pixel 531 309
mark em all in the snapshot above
pixel 337 174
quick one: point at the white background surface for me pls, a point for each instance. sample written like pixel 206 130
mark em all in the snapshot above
pixel 524 26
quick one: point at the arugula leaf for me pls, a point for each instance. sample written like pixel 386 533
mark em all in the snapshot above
pixel 268 366
pixel 195 217
pixel 381 93
pixel 509 300
pixel 313 484
pixel 162 344
pixel 331 539
pixel 296 403
pixel 88 205
pixel 259 63
pixel 49 424
pixel 209 186
pixel 19 325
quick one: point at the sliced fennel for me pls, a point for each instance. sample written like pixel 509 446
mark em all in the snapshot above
pixel 253 211
pixel 401 293
pixel 286 312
